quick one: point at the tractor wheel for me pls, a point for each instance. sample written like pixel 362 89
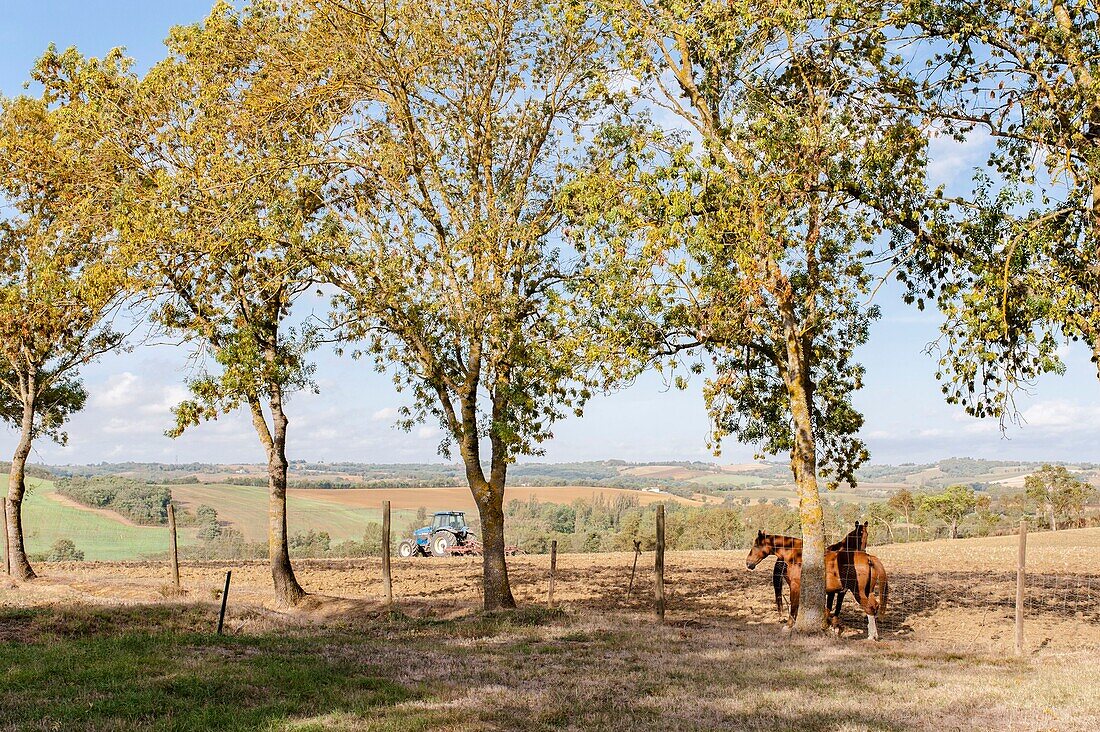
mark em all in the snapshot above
pixel 407 549
pixel 440 542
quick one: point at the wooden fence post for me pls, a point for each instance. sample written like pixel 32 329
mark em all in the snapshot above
pixel 1021 561
pixel 172 548
pixel 553 569
pixel 659 565
pixel 387 584
pixel 7 548
pixel 637 551
pixel 225 599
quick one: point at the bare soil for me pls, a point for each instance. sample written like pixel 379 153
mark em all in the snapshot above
pixel 960 594
pixel 459 498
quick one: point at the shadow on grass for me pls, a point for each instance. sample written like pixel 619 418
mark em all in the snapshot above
pixel 146 668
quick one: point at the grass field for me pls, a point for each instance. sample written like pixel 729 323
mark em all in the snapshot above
pixel 86 668
pixel 344 512
pixel 100 535
pixel 245 507
pixel 99 647
pixel 756 492
pixel 728 480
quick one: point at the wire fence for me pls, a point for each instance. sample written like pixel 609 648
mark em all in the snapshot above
pixel 962 595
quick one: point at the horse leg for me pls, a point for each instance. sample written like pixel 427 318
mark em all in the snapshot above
pixel 779 571
pixel 833 600
pixel 839 602
pixel 796 591
pixel 866 599
pixel 833 618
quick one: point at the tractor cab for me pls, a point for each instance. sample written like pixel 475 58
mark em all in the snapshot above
pixel 454 521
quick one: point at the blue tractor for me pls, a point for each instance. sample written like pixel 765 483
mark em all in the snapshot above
pixel 448 529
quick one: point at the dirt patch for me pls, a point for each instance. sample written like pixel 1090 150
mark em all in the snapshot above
pixel 964 607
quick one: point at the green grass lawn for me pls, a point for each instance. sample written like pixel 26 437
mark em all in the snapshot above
pixel 99 536
pixel 245 507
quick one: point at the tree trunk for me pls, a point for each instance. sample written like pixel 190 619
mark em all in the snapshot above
pixel 954 528
pixel 488 493
pixel 1053 521
pixel 287 590
pixel 497 589
pixel 17 488
pixel 811 613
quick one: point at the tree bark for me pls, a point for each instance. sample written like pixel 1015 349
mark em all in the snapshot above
pixel 494 566
pixel 488 492
pixel 1053 521
pixel 954 528
pixel 811 614
pixel 287 590
pixel 17 488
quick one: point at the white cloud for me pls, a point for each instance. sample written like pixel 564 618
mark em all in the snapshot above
pixel 119 392
pixel 952 162
pixel 624 82
pixel 384 415
pixel 1060 415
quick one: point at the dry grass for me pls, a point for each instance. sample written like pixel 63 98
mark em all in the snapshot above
pixel 531 671
pixel 958 593
pixel 722 661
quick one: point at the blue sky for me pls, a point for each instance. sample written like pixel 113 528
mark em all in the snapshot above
pixel 351 419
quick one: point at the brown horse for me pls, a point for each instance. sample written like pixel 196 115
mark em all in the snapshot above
pixel 845 570
pixel 856 540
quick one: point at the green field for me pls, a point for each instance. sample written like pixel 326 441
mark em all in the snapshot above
pixel 789 492
pixel 729 480
pixel 101 536
pixel 245 507
pixel 98 535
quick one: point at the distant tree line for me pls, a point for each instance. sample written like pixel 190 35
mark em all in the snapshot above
pixel 140 502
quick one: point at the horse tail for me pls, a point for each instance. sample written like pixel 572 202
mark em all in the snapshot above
pixel 882 584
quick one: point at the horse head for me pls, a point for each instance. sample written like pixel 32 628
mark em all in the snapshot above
pixel 763 547
pixel 856 540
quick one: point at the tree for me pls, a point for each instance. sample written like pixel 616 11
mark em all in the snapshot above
pixel 884 514
pixel 904 503
pixel 469 115
pixel 220 208
pixel 207 519
pixel 751 235
pixel 58 287
pixel 1060 494
pixel 1023 272
pixel 951 505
